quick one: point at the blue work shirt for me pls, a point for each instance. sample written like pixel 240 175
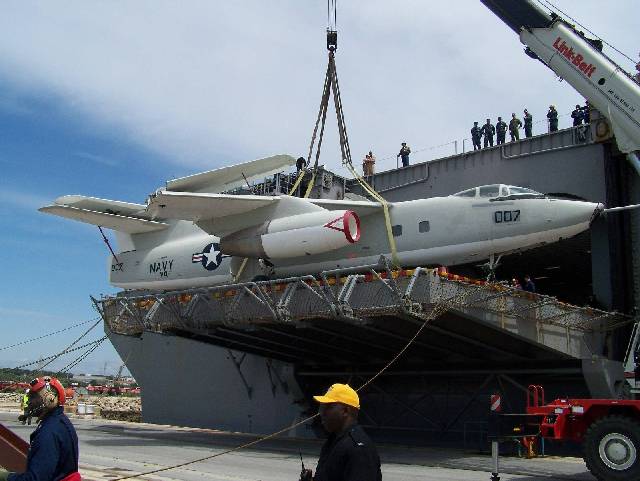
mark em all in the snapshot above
pixel 53 450
pixel 349 456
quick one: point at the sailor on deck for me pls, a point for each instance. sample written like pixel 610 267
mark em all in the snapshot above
pixel 501 131
pixel 405 150
pixel 301 163
pixel 552 115
pixel 577 115
pixel 514 127
pixel 368 164
pixel 528 124
pixel 476 135
pixel 488 130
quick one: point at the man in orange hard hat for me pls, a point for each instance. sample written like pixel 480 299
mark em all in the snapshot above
pixel 348 454
pixel 53 447
pixel 368 164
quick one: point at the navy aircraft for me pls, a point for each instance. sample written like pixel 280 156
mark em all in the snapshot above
pixel 188 234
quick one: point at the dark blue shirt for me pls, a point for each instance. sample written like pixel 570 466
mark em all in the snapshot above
pixel 349 456
pixel 529 286
pixel 53 450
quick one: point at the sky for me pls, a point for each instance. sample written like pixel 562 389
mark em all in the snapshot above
pixel 111 99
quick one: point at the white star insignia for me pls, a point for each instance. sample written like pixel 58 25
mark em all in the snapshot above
pixel 211 256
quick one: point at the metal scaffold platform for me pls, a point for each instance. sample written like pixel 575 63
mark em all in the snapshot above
pixel 358 318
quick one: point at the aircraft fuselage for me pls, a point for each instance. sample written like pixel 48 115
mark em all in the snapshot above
pixel 437 231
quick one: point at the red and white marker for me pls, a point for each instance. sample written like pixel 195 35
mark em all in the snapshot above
pixel 496 405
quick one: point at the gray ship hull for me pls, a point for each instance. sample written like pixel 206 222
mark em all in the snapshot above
pixel 190 383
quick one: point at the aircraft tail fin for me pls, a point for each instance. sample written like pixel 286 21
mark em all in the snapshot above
pixel 230 177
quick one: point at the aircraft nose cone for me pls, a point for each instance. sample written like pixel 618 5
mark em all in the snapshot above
pixel 572 212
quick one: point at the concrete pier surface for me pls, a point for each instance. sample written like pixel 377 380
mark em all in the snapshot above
pixel 112 449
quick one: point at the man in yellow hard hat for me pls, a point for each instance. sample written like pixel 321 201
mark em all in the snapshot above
pixel 348 454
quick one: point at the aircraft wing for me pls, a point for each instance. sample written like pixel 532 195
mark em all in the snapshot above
pixel 222 214
pixel 226 178
pixel 121 223
pixel 362 208
pixel 195 206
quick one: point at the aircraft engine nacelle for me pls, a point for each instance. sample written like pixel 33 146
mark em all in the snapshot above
pixel 295 236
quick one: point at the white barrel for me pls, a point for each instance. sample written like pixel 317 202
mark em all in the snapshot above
pixel 91 409
pixel 82 408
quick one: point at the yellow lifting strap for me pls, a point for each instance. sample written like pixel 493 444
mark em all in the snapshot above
pixel 310 186
pixel 299 180
pixel 241 270
pixel 385 209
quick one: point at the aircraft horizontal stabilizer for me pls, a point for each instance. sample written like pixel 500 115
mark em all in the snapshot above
pixel 103 205
pixel 121 223
pixel 227 178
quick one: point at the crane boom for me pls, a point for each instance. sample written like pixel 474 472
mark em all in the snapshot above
pixel 580 62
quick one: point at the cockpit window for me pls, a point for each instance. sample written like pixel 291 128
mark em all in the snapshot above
pixel 498 192
pixel 522 190
pixel 490 190
pixel 467 193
